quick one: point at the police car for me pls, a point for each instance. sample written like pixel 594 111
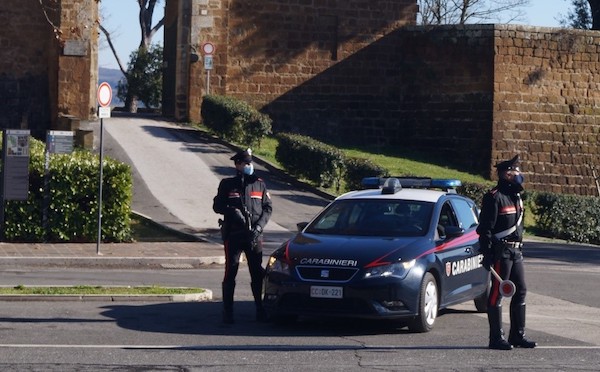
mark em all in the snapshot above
pixel 401 249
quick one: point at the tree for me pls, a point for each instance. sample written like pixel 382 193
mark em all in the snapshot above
pixel 595 12
pixel 579 16
pixel 439 12
pixel 137 66
pixel 144 76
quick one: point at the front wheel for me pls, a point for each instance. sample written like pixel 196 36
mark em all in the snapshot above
pixel 428 306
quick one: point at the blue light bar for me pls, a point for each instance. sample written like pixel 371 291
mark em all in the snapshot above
pixel 445 183
pixel 412 182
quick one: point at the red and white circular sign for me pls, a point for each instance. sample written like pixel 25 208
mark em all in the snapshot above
pixel 104 94
pixel 208 48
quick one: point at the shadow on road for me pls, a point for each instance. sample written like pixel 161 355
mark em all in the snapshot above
pixel 204 318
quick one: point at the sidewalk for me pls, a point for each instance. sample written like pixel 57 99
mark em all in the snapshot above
pixel 131 255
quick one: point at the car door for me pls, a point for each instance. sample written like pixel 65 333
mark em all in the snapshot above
pixel 473 275
pixel 456 252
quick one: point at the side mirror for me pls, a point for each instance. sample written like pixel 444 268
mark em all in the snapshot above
pixel 301 225
pixel 454 231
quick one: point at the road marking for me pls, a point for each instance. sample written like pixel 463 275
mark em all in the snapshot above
pixel 276 347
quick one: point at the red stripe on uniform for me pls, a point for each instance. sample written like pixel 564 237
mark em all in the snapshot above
pixel 256 194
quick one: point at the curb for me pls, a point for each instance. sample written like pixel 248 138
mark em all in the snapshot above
pixel 116 262
pixel 207 295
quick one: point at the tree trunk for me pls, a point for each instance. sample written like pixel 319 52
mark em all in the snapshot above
pixel 131 103
pixel 595 10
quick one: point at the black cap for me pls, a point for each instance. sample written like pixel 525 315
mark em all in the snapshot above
pixel 508 164
pixel 243 156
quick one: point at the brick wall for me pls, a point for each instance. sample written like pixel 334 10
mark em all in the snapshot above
pixel 547 105
pixel 39 76
pixel 265 48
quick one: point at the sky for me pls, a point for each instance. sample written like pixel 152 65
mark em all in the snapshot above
pixel 120 18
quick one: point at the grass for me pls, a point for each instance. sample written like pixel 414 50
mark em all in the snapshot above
pixel 97 290
pixel 396 162
pixel 144 230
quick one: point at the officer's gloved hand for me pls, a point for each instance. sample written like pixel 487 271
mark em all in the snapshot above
pixel 488 261
pixel 256 231
pixel 255 238
pixel 237 216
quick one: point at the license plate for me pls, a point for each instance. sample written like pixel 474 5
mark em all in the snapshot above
pixel 326 292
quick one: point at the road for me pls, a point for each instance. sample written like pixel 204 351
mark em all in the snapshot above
pixel 563 316
pixel 563 300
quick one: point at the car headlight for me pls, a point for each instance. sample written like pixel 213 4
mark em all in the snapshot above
pixel 399 269
pixel 278 265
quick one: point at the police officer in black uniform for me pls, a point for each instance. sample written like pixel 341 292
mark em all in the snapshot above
pixel 246 205
pixel 500 236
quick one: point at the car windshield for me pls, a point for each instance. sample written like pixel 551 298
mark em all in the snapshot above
pixel 389 218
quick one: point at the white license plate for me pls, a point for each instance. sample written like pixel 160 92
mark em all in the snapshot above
pixel 326 292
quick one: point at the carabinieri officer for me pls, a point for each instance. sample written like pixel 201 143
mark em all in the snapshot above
pixel 500 237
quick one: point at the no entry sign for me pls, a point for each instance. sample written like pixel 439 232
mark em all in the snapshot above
pixel 104 94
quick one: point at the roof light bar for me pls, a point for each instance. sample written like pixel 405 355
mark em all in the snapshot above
pixel 411 183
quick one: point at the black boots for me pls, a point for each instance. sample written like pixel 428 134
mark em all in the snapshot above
pixel 228 290
pixel 516 336
pixel 261 315
pixel 497 340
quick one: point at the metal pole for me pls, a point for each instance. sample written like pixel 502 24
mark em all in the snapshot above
pixel 100 187
pixel 207 81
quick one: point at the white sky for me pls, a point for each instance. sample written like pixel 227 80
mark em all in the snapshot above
pixel 121 19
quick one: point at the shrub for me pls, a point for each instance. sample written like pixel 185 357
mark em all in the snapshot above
pixel 305 157
pixel 359 168
pixel 234 120
pixel 72 214
pixel 571 217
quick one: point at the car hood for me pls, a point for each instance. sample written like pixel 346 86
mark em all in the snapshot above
pixel 323 250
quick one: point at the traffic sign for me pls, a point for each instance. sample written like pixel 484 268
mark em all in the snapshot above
pixel 208 62
pixel 104 94
pixel 208 48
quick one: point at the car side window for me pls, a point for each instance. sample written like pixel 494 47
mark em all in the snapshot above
pixel 467 213
pixel 447 217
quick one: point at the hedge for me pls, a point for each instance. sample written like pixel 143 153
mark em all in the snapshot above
pixel 72 214
pixel 234 120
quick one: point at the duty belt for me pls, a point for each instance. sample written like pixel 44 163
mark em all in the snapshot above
pixel 513 245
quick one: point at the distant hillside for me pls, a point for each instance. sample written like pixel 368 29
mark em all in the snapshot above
pixel 112 77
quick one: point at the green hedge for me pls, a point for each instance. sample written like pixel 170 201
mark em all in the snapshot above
pixel 234 120
pixel 73 200
pixel 359 168
pixel 570 217
pixel 307 158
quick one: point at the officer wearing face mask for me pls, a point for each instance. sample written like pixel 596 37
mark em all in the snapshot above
pixel 500 237
pixel 245 203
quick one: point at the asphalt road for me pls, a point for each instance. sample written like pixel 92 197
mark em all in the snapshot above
pixel 563 304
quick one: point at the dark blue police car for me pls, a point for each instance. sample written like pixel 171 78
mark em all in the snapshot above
pixel 401 249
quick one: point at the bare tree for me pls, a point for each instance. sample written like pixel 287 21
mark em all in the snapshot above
pixel 439 12
pixel 147 32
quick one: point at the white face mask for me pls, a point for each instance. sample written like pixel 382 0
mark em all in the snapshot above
pixel 248 169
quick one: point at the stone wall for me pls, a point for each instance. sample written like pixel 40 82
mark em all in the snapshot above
pixel 265 48
pixel 42 76
pixel 422 89
pixel 547 105
pixel 473 94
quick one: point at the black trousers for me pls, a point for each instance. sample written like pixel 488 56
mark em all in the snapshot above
pixel 233 252
pixel 509 266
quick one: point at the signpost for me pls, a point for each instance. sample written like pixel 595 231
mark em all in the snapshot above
pixel 15 168
pixel 208 49
pixel 104 100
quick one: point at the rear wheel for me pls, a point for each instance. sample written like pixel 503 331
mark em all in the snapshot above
pixel 428 306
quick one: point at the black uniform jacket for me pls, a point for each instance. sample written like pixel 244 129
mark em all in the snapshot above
pixel 500 210
pixel 237 192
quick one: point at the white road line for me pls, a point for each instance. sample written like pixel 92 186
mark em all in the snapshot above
pixel 274 347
